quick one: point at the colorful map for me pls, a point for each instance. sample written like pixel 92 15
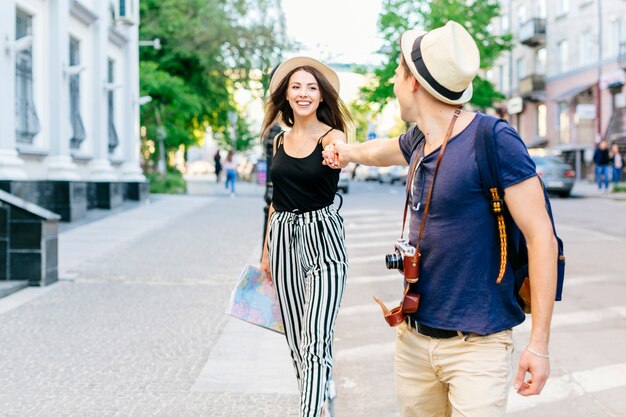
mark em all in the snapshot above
pixel 254 300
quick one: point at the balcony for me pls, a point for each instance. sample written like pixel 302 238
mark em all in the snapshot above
pixel 533 32
pixel 532 86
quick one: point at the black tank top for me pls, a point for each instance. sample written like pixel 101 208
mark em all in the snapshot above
pixel 302 184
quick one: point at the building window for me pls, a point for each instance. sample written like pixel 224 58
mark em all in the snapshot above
pixel 521 70
pixel 541 58
pixel 585 45
pixel 503 80
pixel 27 120
pixel 562 7
pixel 563 122
pixel 113 139
pixel 615 38
pixel 540 9
pixel 521 16
pixel 542 121
pixel 563 54
pixel 78 128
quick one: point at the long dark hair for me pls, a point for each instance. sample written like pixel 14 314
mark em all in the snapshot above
pixel 332 111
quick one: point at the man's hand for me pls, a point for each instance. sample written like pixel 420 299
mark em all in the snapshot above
pixel 539 369
pixel 332 155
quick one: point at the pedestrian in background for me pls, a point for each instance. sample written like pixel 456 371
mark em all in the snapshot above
pixel 617 162
pixel 601 159
pixel 231 172
pixel 454 354
pixel 217 161
pixel 304 251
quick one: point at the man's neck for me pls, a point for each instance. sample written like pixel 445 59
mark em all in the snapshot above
pixel 435 122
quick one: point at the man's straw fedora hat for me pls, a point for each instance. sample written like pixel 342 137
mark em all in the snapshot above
pixel 303 61
pixel 444 61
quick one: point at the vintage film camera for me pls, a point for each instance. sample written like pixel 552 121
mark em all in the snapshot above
pixel 406 259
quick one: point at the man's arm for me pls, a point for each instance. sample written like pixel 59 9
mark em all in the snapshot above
pixel 526 204
pixel 377 152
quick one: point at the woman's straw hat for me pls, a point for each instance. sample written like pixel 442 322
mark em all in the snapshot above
pixel 303 61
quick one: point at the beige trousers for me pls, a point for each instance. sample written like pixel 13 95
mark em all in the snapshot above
pixel 465 376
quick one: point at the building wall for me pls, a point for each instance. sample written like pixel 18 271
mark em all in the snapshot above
pixel 572 74
pixel 101 37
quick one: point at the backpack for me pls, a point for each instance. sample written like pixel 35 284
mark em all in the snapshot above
pixel 512 242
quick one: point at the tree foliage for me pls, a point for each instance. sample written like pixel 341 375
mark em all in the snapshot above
pixel 398 16
pixel 209 48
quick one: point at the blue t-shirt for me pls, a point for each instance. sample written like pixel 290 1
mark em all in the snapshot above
pixel 460 247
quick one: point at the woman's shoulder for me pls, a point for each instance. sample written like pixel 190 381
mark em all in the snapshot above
pixel 333 136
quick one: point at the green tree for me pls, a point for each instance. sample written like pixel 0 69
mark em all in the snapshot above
pixel 209 48
pixel 399 15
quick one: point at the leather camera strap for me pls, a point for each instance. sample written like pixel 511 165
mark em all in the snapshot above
pixel 457 112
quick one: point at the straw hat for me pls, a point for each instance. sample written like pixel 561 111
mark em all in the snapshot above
pixel 444 61
pixel 303 61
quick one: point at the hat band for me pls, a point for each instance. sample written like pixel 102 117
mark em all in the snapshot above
pixel 416 56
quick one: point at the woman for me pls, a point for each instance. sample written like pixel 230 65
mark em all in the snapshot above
pixel 231 172
pixel 217 160
pixel 617 162
pixel 304 252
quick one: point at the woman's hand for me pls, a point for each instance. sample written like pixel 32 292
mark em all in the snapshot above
pixel 265 265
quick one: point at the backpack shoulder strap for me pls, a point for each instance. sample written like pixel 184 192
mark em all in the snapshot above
pixel 489 170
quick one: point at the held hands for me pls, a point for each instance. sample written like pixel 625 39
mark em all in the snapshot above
pixel 332 155
pixel 538 366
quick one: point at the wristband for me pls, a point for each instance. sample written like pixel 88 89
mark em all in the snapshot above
pixel 541 355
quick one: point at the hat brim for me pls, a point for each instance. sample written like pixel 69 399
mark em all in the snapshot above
pixel 406 45
pixel 303 61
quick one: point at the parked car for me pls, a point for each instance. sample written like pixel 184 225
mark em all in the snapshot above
pixel 557 176
pixel 393 174
pixel 366 173
pixel 344 180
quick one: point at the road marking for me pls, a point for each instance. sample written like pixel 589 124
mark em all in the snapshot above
pixel 375 244
pixel 365 259
pixel 593 233
pixel 374 225
pixel 572 385
pixel 387 233
pixel 578 281
pixel 580 317
pixel 366 352
pixel 366 308
pixel 362 212
pixel 374 278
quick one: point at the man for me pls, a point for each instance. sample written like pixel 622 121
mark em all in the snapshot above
pixel 454 355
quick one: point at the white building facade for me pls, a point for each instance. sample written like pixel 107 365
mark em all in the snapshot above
pixel 69 103
pixel 563 79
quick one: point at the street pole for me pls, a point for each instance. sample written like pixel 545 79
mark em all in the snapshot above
pixel 598 89
pixel 161 135
pixel 232 118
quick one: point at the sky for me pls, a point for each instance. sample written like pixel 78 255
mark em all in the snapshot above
pixel 337 31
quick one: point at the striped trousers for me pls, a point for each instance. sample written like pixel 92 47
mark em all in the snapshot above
pixel 308 261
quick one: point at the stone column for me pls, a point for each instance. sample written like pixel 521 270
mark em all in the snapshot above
pixel 11 166
pixel 131 169
pixel 60 164
pixel 100 166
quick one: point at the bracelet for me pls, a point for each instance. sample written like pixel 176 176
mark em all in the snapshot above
pixel 541 355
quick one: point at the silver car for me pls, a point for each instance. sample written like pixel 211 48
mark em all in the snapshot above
pixel 558 177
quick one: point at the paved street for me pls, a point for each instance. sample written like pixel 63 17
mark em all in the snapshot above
pixel 136 327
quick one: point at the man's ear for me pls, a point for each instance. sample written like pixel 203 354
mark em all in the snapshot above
pixel 414 84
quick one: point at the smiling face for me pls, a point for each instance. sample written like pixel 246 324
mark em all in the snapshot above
pixel 303 93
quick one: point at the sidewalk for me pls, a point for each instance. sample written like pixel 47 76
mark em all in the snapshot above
pixel 589 189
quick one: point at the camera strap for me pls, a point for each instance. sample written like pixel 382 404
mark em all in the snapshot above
pixel 457 112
